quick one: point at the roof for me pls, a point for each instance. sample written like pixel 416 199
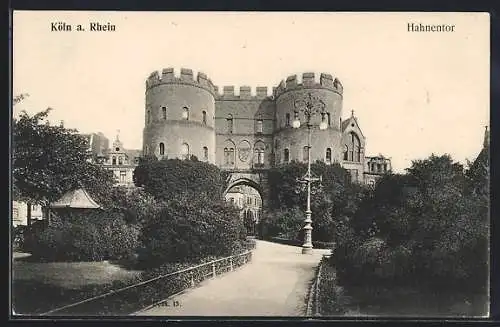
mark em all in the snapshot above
pixel 348 121
pixel 78 198
pixel 345 123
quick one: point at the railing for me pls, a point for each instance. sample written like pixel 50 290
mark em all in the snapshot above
pixel 186 278
pixel 313 301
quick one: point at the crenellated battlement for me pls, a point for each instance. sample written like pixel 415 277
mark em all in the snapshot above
pixel 186 77
pixel 326 81
pixel 245 93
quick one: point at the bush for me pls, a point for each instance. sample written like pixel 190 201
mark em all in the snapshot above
pixel 428 227
pixel 190 229
pixel 86 236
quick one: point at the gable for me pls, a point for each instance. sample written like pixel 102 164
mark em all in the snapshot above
pixel 347 126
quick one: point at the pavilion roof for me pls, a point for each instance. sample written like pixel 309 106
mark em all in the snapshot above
pixel 77 198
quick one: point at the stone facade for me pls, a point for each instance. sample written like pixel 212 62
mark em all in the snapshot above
pixel 20 213
pixel 122 163
pixel 376 167
pixel 249 132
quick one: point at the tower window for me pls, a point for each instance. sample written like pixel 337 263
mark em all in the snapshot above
pixel 286 155
pixel 205 153
pixel 305 153
pixel 162 149
pixel 229 122
pixel 164 112
pixel 204 117
pixel 185 113
pixel 328 118
pixel 287 120
pixel 113 162
pixel 328 155
pixel 259 126
pixel 185 151
pixel 148 116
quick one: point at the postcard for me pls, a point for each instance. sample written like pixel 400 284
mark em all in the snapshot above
pixel 250 164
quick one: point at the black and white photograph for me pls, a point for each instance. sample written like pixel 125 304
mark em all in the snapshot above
pixel 250 164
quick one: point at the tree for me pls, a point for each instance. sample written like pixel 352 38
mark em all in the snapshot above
pixel 171 178
pixel 50 160
pixel 331 200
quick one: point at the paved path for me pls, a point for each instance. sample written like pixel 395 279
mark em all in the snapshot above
pixel 275 283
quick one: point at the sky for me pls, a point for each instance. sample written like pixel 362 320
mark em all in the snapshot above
pixel 413 93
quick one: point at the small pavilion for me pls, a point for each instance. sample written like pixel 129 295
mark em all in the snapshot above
pixel 75 202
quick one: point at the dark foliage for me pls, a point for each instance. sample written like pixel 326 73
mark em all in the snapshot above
pixel 190 228
pixel 172 178
pixel 85 236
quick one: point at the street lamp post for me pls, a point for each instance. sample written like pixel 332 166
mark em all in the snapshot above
pixel 310 106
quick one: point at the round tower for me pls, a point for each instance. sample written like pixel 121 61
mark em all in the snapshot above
pixel 291 143
pixel 180 116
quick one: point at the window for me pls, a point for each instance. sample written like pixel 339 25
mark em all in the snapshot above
pixel 113 162
pixel 229 156
pixel 259 153
pixel 123 176
pixel 185 151
pixel 287 120
pixel 346 150
pixel 379 168
pixel 146 150
pixel 120 160
pixel 354 148
pixel 231 200
pixel 162 149
pixel 185 113
pixel 328 155
pixel 117 149
pixel 205 153
pixel 305 153
pixel 148 117
pixel 204 117
pixel 229 122
pixel 164 112
pixel 249 200
pixel 286 155
pixel 385 168
pixel 259 126
pixel 328 118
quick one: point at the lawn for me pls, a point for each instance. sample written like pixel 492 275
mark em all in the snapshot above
pixel 38 287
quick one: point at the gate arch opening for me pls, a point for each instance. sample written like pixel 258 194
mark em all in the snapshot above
pixel 247 197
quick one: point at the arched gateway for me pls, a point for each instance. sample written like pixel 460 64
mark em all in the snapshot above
pixel 258 181
pixel 248 192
